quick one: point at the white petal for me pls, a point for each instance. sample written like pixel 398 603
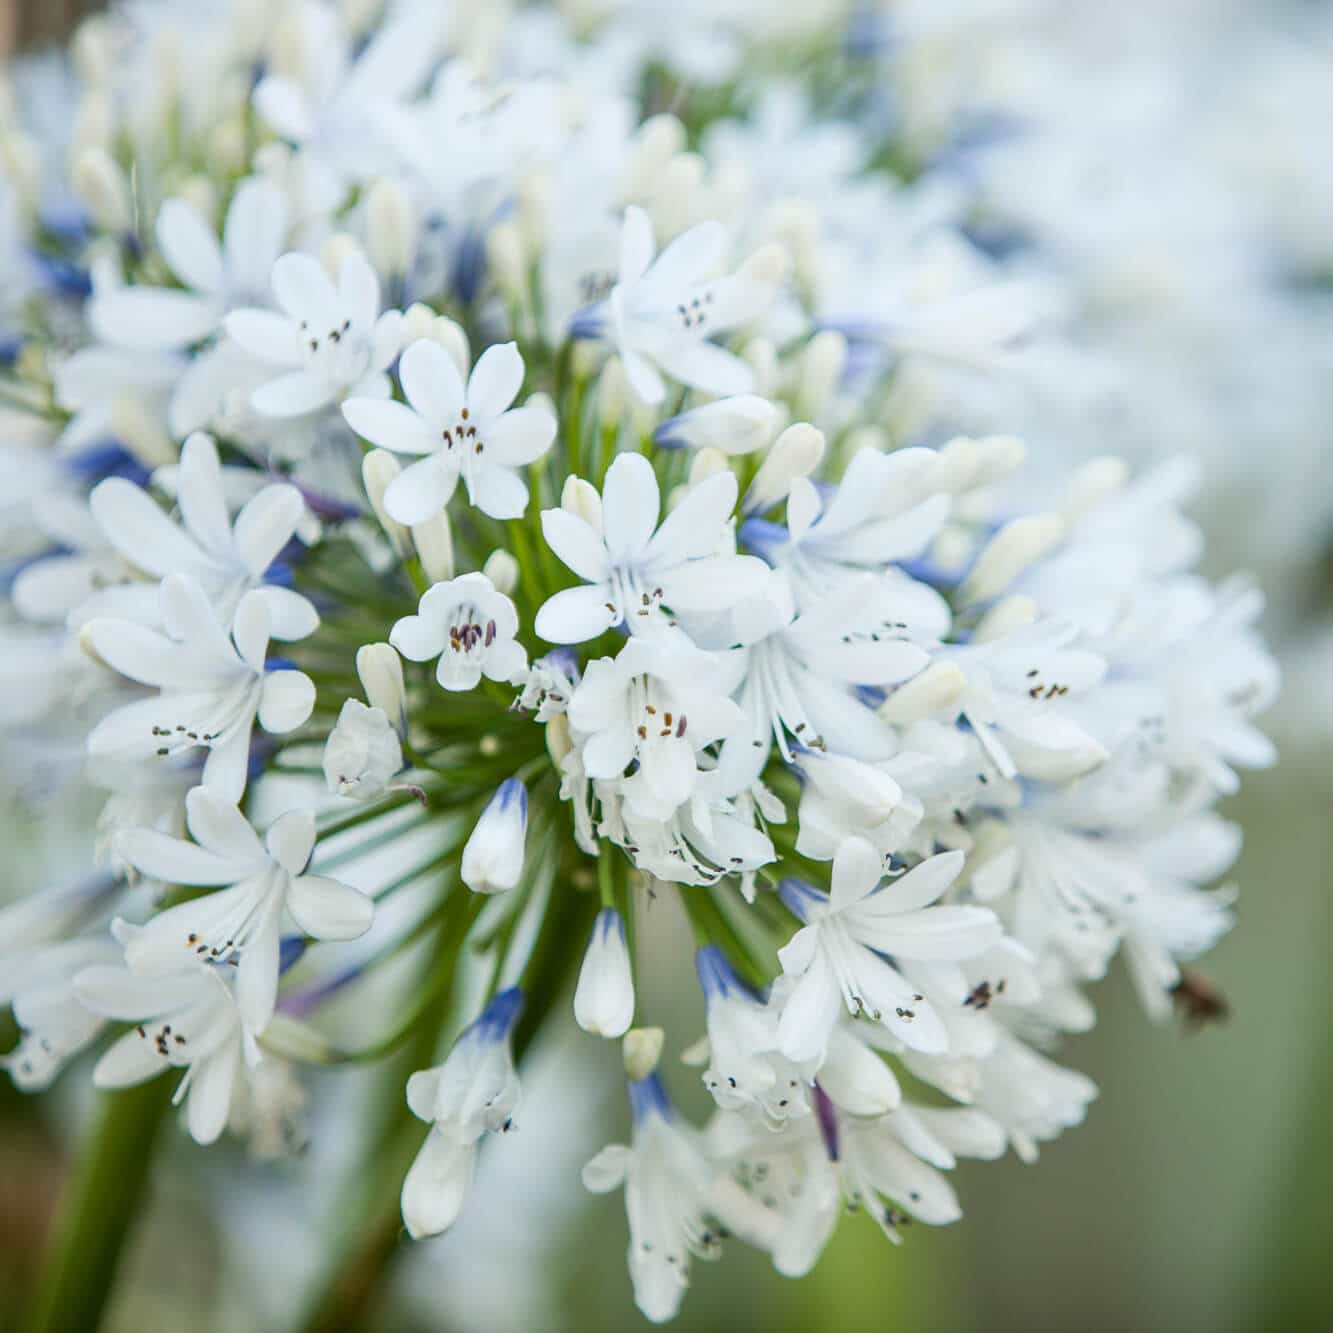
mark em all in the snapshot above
pixel 267 335
pixel 436 1185
pixel 810 1012
pixel 419 492
pixel 190 247
pixel 576 544
pixel 304 292
pixel 293 395
pixel 495 381
pixel 173 861
pixel 520 436
pixel 418 638
pixel 575 615
pixel 327 909
pixel 250 630
pixel 139 530
pixel 286 701
pixel 697 524
pixel 499 492
pixel 432 384
pixel 857 868
pixel 127 1061
pixel 199 494
pixel 630 505
pixel 152 318
pixel 253 234
pixel 212 1081
pixel 217 824
pixel 266 524
pixel 291 839
pixel 606 1171
pixel 391 425
pixel 291 616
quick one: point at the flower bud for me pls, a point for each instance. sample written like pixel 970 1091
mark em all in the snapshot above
pixel 201 194
pixel 762 358
pixel 768 266
pixel 418 323
pixel 434 541
pixel 378 468
pixel 337 248
pixel 450 334
pixel 558 740
pixel 1004 617
pixel 795 453
pixel 493 856
pixel 641 1052
pixel 656 141
pixel 604 997
pixel 101 185
pixel 391 228
pixel 738 425
pixel 381 672
pixel 822 364
pixel 707 463
pixel 934 689
pixel 504 257
pixel 612 393
pixel 363 753
pixel 1094 482
pixel 1012 550
pixel 580 498
pixel 673 200
pixel 502 570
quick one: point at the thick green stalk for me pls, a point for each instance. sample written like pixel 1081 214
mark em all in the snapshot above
pixel 98 1210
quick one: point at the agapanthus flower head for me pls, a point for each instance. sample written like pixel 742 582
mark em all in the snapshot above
pixel 465 519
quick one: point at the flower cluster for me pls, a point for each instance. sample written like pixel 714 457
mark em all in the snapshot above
pixel 475 515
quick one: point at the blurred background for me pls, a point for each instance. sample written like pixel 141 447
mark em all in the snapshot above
pixel 1197 1195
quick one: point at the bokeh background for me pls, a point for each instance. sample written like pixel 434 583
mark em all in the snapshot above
pixel 1198 1195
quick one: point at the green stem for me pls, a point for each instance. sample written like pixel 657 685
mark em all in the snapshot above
pixel 98 1210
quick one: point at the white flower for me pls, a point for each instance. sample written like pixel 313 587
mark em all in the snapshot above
pixel 362 753
pixel 663 310
pixel 841 797
pixel 656 706
pixel 54 1026
pixel 1014 699
pixel 604 996
pixel 184 1019
pixel 634 568
pixel 216 277
pixel 471 432
pixel 244 919
pixel 671 1189
pixel 475 1091
pixel 470 627
pixel 841 956
pixel 745 1067
pixel 213 685
pixel 329 342
pixel 226 557
pixel 493 855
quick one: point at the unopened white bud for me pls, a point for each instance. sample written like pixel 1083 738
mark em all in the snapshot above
pixel 502 570
pixel 604 996
pixel 586 358
pixel 93 48
pixel 337 248
pixel 101 185
pixel 673 204
pixel 656 141
pixel 795 224
pixel 378 469
pixel 641 1051
pixel 493 856
pixel 762 357
pixel 434 540
pixel 380 670
pixel 998 456
pixel 612 392
pixel 418 321
pixel 534 195
pixel 822 365
pixel 363 752
pixel 391 228
pixel 707 463
pixel 451 335
pixel 1017 546
pixel 1006 616
pixel 229 147
pixel 94 122
pixel 202 196
pixel 931 691
pixel 737 425
pixel 504 258
pixel 580 498
pixel 768 266
pixel 795 453
pixel 1094 482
